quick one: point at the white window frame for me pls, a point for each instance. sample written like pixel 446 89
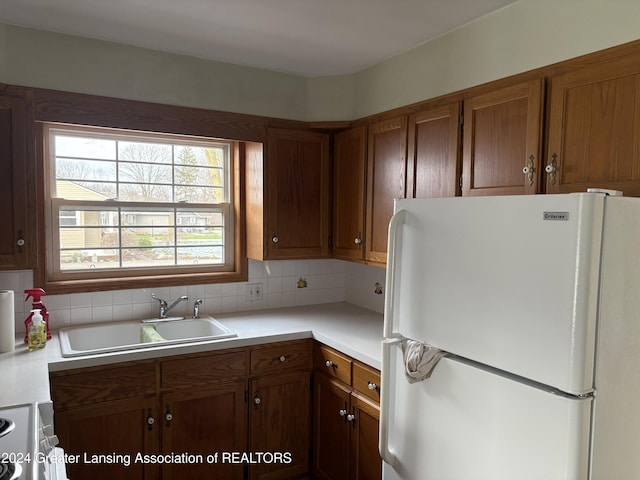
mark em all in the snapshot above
pixel 53 205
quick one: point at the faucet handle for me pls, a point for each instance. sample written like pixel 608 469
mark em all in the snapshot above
pixel 196 308
pixel 162 301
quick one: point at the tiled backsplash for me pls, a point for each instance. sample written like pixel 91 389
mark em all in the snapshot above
pixel 323 281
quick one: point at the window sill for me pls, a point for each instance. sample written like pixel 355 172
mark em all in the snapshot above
pixel 54 287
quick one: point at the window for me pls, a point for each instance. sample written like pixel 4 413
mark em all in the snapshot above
pixel 130 204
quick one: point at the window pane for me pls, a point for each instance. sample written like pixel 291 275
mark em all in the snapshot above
pixel 199 194
pixel 197 255
pixel 89 259
pixel 83 169
pixel 148 257
pixel 85 147
pixel 147 218
pixel 145 152
pixel 141 192
pixel 200 236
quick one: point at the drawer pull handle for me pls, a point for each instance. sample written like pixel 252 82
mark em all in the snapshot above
pixel 372 386
pixel 281 358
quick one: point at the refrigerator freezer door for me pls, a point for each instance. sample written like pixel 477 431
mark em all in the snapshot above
pixel 511 282
pixel 464 423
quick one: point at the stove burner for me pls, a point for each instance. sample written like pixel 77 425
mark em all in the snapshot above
pixel 10 470
pixel 6 427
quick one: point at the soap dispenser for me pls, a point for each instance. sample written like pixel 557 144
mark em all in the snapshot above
pixel 37 331
pixel 36 294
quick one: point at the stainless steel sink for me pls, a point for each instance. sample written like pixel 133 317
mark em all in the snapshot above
pixel 119 336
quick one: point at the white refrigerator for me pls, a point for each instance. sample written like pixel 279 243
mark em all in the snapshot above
pixel 536 299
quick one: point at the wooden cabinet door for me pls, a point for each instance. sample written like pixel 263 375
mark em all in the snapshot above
pixel 297 176
pixel 279 423
pixel 434 153
pixel 17 247
pixel 331 449
pixel 204 420
pixel 594 129
pixel 121 429
pixel 349 182
pixel 366 463
pixel 502 136
pixel 386 181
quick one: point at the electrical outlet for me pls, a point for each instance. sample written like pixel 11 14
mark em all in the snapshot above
pixel 254 292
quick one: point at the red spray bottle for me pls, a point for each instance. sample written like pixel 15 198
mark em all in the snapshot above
pixel 36 294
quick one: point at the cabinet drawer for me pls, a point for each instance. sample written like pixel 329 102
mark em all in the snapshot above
pixel 203 370
pixel 99 384
pixel 280 357
pixel 366 381
pixel 332 363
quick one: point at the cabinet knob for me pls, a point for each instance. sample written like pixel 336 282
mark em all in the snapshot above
pixel 168 416
pixel 342 412
pixel 257 400
pixel 282 358
pixel 357 241
pixel 372 386
pixel 150 420
pixel 20 242
pixel 329 363
pixel 351 417
pixel 274 239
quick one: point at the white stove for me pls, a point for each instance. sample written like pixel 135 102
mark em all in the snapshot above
pixel 27 444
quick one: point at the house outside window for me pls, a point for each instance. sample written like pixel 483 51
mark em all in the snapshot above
pixel 125 203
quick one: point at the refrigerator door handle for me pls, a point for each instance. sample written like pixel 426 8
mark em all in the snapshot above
pixel 383 442
pixel 395 226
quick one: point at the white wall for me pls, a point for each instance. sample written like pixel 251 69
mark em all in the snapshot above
pixel 62 62
pixel 519 37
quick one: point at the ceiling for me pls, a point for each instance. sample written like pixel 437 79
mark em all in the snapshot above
pixel 303 37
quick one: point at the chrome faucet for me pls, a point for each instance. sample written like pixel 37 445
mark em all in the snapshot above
pixel 164 307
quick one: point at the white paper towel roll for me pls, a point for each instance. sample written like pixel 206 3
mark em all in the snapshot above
pixel 7 322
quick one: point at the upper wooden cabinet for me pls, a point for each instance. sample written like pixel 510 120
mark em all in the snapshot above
pixel 594 128
pixel 17 215
pixel 292 206
pixel 386 181
pixel 349 184
pixel 502 140
pixel 433 152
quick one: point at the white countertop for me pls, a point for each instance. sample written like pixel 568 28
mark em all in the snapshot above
pixel 353 330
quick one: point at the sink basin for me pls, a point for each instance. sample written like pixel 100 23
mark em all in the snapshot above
pixel 118 336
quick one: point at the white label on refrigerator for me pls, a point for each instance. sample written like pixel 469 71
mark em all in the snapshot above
pixel 562 216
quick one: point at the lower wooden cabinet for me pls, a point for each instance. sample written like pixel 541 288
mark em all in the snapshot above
pixel 236 414
pixel 204 421
pixel 280 409
pixel 242 413
pixel 280 415
pixel 345 419
pixel 120 429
